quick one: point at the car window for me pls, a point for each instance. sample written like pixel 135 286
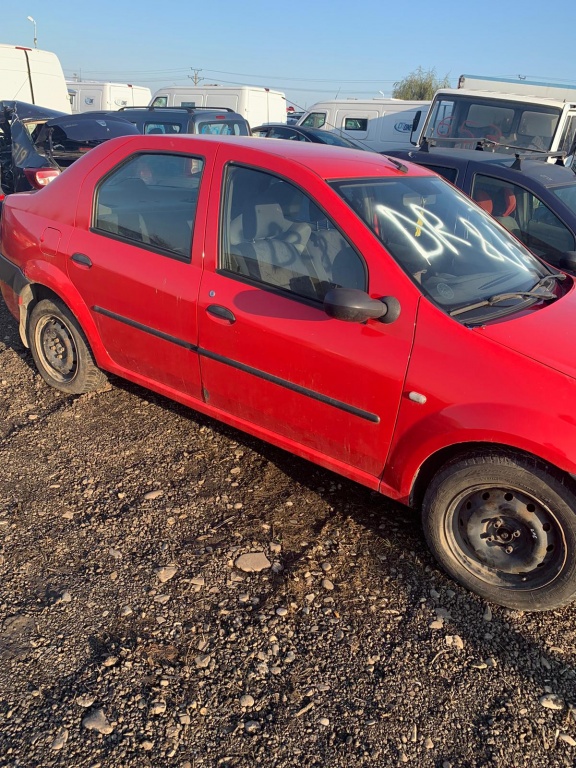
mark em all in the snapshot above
pixel 275 234
pixel 222 127
pixel 355 124
pixel 525 215
pixel 450 174
pixel 151 201
pixel 163 127
pixel 285 133
pixel 315 120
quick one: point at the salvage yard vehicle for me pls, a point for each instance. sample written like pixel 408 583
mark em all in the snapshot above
pixel 352 309
pixel 534 200
pixel 296 133
pixel 37 144
pixel 221 121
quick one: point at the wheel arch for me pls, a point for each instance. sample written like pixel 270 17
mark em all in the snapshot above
pixel 461 451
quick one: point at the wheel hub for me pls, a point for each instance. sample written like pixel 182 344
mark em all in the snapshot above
pixel 58 348
pixel 503 535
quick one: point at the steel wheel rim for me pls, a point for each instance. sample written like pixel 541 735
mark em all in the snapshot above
pixel 506 537
pixel 56 347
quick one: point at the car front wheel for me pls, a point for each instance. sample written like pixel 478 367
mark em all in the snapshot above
pixel 60 350
pixel 504 526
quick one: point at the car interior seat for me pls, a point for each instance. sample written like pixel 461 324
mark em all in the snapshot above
pixel 503 208
pixel 483 199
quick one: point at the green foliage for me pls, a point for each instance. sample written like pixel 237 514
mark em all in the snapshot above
pixel 419 85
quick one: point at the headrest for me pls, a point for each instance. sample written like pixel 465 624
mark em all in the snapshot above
pixel 509 201
pixel 483 200
pixel 537 124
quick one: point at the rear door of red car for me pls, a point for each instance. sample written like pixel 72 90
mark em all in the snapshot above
pixel 270 355
pixel 135 256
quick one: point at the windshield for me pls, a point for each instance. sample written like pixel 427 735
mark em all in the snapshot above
pixel 449 246
pixel 568 195
pixel 459 121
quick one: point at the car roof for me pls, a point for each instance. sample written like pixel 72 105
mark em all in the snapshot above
pixel 328 162
pixel 547 174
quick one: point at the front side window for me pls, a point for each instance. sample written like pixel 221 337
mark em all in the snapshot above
pixel 276 235
pixel 285 133
pixel 151 201
pixel 160 101
pixel 526 216
pixel 315 120
pixel 450 248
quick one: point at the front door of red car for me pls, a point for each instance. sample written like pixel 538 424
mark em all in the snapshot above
pixel 269 354
pixel 134 259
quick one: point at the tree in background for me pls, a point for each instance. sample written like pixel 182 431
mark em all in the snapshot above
pixel 419 85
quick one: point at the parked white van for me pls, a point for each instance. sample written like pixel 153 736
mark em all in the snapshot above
pixel 256 104
pixel 379 124
pixel 33 76
pixel 89 95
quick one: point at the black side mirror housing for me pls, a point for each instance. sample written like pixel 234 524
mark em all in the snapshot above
pixel 415 124
pixel 354 306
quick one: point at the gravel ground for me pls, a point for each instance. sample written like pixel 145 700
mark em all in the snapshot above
pixel 175 593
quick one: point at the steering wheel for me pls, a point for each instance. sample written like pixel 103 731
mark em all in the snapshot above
pixel 493 132
pixel 446 126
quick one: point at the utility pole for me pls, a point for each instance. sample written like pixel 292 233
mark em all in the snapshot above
pixel 195 79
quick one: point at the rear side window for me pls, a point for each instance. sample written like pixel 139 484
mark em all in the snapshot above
pixel 276 235
pixel 162 127
pixel 356 124
pixel 160 101
pixel 150 201
pixel 450 174
pixel 222 127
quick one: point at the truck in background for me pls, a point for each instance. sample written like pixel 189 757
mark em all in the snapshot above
pixel 258 105
pixel 505 115
pixel 378 124
pixel 32 76
pixel 90 96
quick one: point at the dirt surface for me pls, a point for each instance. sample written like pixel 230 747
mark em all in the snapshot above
pixel 131 633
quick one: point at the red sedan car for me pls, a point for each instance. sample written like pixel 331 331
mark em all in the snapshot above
pixel 355 310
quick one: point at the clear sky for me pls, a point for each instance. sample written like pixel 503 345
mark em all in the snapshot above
pixel 310 50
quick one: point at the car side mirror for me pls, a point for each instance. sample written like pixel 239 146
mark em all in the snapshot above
pixel 354 306
pixel 568 261
pixel 415 124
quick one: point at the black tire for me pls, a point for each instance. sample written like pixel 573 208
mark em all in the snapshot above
pixel 60 349
pixel 504 526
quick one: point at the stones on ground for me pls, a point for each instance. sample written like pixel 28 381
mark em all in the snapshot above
pixel 567 739
pixel 158 707
pixel 153 495
pixel 487 615
pixel 327 584
pixel 252 562
pixel 324 721
pixel 85 700
pixel 436 624
pixel 97 721
pixel 429 744
pixel 252 726
pixel 454 641
pixel 246 700
pixel 552 701
pixel 110 661
pixel 166 572
pixel 147 745
pixel 60 739
pixel 202 660
pixel 281 611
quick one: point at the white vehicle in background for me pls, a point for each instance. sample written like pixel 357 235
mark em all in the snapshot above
pixel 378 124
pixel 90 96
pixel 256 104
pixel 505 115
pixel 32 76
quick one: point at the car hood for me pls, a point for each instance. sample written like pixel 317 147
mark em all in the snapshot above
pixel 546 334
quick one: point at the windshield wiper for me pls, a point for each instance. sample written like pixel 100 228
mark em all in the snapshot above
pixel 533 293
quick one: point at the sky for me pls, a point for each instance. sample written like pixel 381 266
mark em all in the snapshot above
pixel 312 51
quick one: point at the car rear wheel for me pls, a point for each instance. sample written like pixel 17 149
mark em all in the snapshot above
pixel 60 349
pixel 504 526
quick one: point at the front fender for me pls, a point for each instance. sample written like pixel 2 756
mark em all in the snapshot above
pixel 549 435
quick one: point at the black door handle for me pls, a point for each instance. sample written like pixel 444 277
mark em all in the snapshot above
pixel 222 313
pixel 82 259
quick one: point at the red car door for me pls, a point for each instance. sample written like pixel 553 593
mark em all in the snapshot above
pixel 270 355
pixel 135 256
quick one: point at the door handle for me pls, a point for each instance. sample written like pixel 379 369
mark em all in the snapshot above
pixel 221 313
pixel 81 259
